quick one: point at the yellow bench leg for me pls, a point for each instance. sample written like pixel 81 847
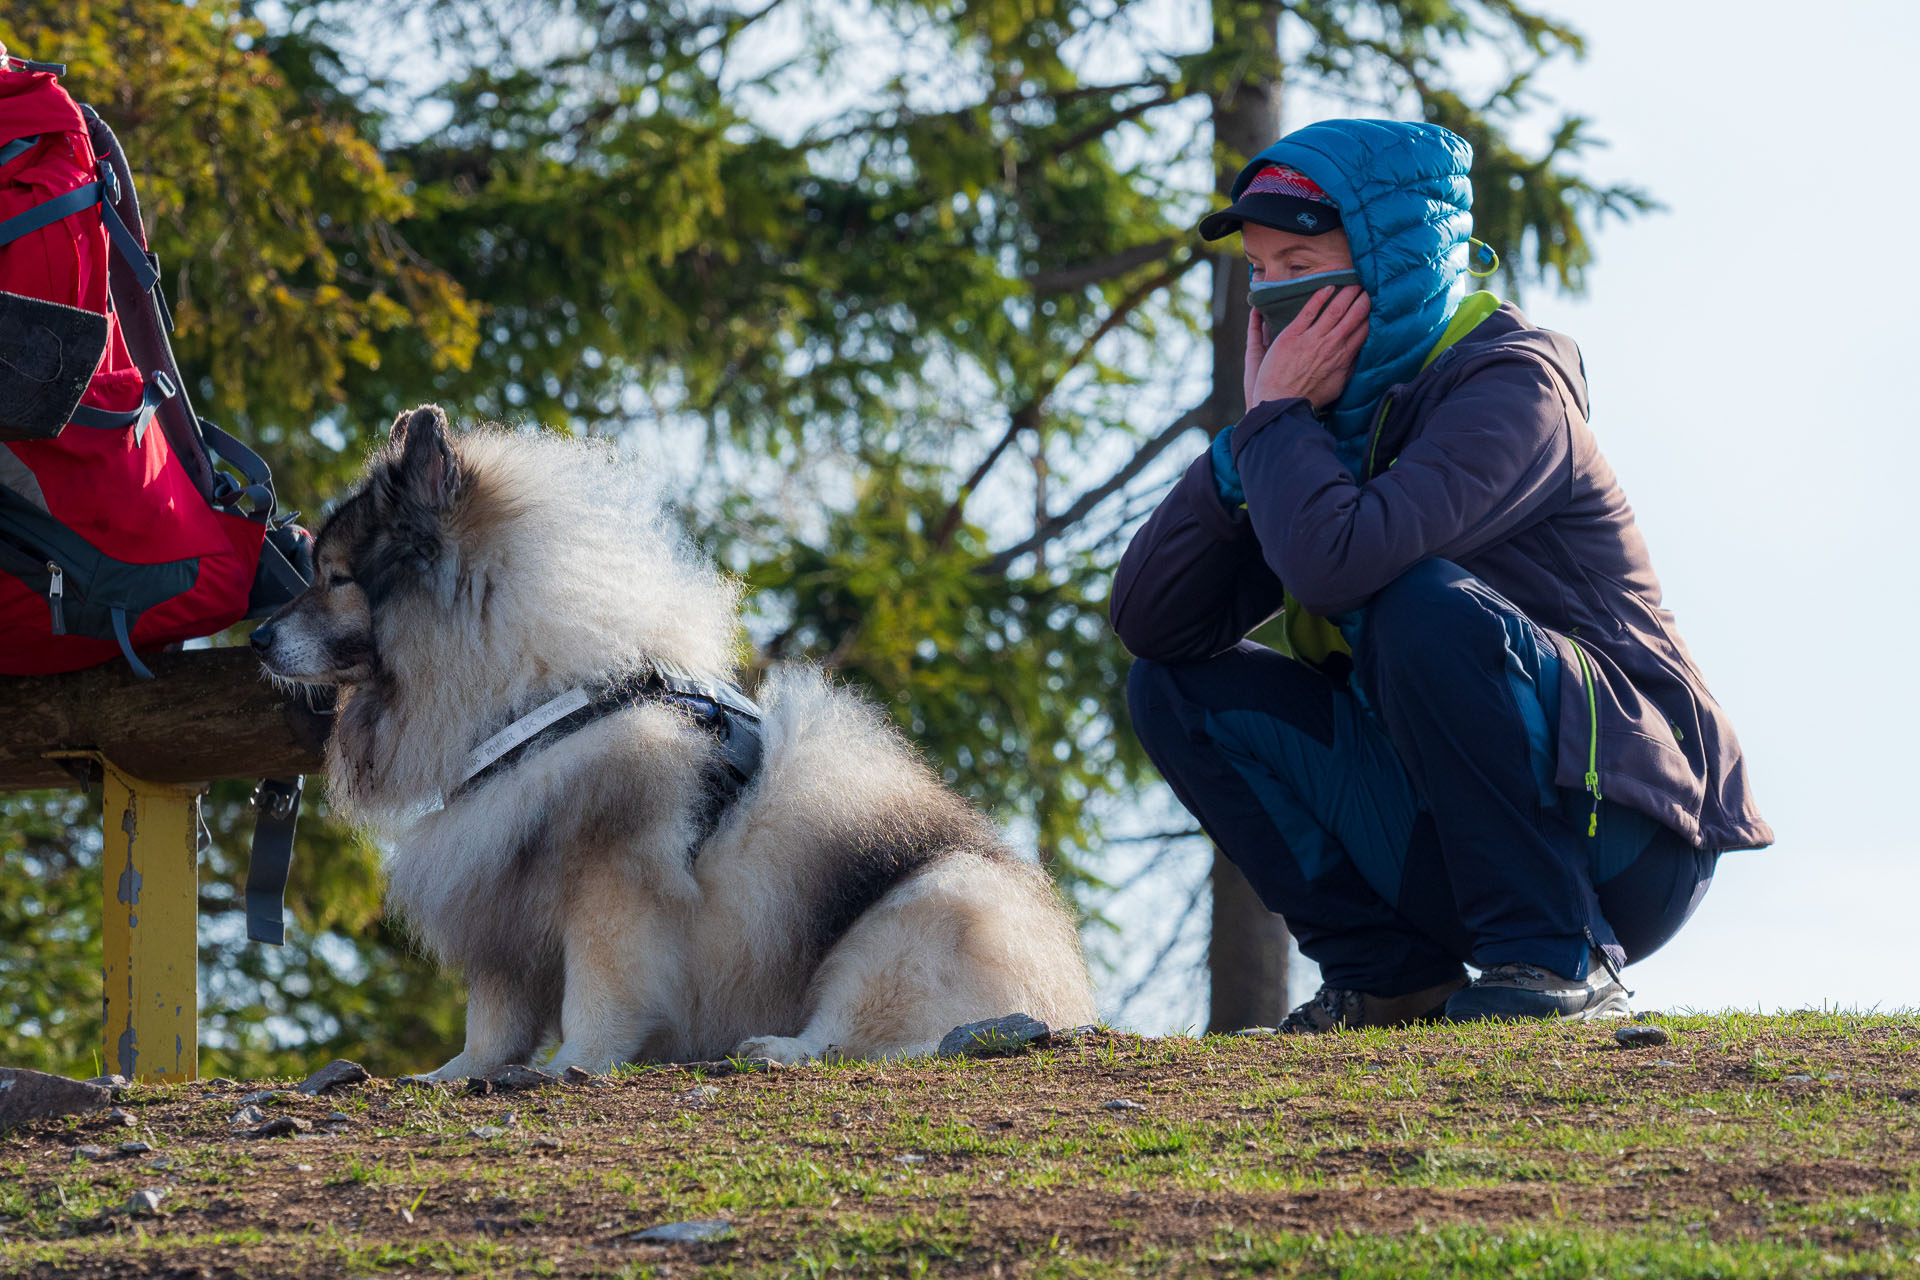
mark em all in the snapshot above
pixel 150 916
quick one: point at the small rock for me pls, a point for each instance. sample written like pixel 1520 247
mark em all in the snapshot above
pixel 510 1079
pixel 994 1036
pixel 115 1082
pixel 910 1159
pixel 339 1117
pixel 220 1082
pixel 1122 1104
pixel 91 1152
pixel 576 1075
pixel 35 1095
pixel 163 1163
pixel 700 1095
pixel 1797 1076
pixel 280 1126
pixel 247 1118
pixel 122 1117
pixel 335 1075
pixel 685 1232
pixel 487 1131
pixel 135 1148
pixel 547 1142
pixel 303 1168
pixel 264 1095
pixel 1257 1031
pixel 1668 1062
pixel 143 1202
pixel 1641 1037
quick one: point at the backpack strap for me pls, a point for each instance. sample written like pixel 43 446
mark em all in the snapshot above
pixel 159 388
pixel 259 486
pixel 100 192
pixel 278 800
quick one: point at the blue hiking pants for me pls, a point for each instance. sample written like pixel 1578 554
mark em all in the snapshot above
pixel 1406 821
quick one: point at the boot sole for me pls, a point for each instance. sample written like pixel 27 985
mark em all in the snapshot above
pixel 1614 1006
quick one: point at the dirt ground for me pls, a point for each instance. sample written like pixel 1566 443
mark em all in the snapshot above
pixel 1769 1144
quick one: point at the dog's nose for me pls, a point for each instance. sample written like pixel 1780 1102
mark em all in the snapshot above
pixel 262 638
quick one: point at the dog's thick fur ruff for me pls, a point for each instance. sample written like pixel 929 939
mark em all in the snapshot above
pixel 847 903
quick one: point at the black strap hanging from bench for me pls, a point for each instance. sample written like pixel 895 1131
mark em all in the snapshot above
pixel 271 859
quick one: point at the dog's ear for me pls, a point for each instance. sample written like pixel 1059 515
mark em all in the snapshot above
pixel 427 475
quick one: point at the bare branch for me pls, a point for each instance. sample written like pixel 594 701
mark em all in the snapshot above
pixel 1067 279
pixel 1201 415
pixel 1027 416
pixel 1024 418
pixel 1173 942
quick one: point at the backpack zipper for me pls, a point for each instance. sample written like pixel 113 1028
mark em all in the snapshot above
pixel 1593 738
pixel 57 597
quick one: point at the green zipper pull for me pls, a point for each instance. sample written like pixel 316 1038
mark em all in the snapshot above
pixel 1593 738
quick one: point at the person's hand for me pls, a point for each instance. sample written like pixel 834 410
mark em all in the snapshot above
pixel 1312 357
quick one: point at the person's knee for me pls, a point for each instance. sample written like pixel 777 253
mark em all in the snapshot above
pixel 1423 618
pixel 1150 699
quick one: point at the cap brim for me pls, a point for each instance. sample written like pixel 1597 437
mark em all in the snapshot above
pixel 1283 213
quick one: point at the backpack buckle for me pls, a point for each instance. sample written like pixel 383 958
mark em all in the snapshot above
pixel 275 799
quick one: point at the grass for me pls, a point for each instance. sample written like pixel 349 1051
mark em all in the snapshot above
pixel 1750 1146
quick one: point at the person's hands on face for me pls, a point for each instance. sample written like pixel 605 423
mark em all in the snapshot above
pixel 1312 357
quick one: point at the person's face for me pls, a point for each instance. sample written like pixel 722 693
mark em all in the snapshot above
pixel 1282 255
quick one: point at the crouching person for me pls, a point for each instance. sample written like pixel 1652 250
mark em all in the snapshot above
pixel 1485 742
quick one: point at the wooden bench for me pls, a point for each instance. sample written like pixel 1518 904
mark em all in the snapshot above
pixel 154 745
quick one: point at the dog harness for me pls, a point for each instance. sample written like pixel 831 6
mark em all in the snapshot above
pixel 722 709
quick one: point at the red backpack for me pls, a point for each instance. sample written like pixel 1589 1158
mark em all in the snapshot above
pixel 127 523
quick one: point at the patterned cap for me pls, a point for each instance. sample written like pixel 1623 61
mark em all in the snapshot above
pixel 1280 197
pixel 1284 180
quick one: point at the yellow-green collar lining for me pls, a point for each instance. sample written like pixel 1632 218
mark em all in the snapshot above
pixel 1473 308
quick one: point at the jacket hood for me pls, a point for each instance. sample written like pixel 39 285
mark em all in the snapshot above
pixel 1504 336
pixel 1508 331
pixel 1406 205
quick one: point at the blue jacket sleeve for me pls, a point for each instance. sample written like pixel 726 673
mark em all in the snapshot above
pixel 1489 458
pixel 1192 582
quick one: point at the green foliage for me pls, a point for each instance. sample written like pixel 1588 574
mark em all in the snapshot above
pixel 915 354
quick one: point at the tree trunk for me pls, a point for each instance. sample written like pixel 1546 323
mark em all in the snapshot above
pixel 1247 953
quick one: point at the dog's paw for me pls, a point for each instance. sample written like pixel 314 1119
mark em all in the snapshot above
pixel 461 1067
pixel 784 1050
pixel 593 1061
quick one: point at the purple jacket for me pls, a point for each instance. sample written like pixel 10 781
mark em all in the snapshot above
pixel 1484 459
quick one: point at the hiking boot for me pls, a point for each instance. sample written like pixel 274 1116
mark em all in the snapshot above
pixel 1511 992
pixel 1338 1008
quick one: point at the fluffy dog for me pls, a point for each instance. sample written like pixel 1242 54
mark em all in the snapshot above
pixel 844 902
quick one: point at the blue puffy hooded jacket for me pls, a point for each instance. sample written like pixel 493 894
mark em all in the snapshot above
pixel 1406 206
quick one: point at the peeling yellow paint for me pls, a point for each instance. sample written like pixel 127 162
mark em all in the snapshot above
pixel 150 900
